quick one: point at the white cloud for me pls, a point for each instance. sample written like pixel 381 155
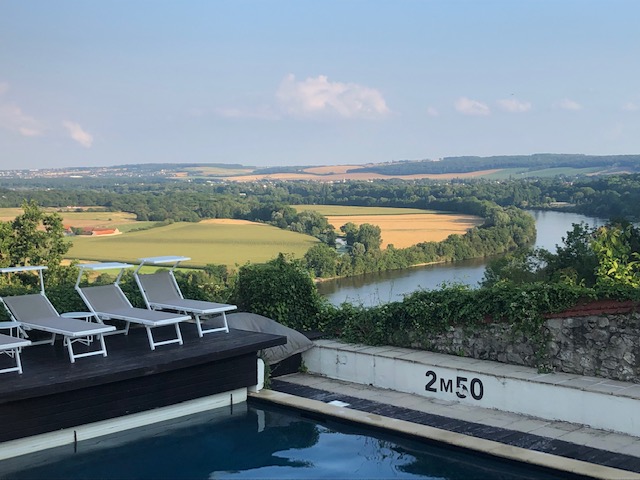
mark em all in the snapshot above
pixel 433 112
pixel 318 95
pixel 467 106
pixel 514 105
pixel 567 104
pixel 78 134
pixel 4 87
pixel 631 107
pixel 12 118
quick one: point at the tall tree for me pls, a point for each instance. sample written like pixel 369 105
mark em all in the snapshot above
pixel 370 236
pixel 33 238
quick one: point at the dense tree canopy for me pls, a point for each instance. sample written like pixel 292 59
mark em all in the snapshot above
pixel 32 238
pixel 606 257
pixel 605 196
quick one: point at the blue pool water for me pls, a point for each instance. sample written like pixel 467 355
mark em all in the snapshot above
pixel 258 443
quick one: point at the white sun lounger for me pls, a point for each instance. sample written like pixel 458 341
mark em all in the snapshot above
pixel 35 312
pixel 109 302
pixel 161 292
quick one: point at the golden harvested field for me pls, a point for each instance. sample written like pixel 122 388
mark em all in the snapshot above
pixel 8 214
pixel 401 227
pixel 349 210
pixel 226 242
pixel 98 219
pixel 80 219
pixel 405 230
pixel 328 169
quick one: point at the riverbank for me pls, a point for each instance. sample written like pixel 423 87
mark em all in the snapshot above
pixel 381 287
pixel 319 280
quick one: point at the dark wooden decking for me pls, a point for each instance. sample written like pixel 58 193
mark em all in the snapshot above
pixel 53 393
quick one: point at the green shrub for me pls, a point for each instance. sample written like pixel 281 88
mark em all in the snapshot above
pixel 281 290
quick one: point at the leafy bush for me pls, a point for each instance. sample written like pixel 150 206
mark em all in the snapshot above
pixel 281 290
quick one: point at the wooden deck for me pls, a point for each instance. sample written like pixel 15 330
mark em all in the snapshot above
pixel 53 393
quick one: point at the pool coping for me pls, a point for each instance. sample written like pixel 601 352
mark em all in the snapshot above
pixel 598 403
pixel 507 444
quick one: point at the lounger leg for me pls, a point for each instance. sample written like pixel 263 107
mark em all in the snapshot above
pixel 201 332
pixel 153 344
pixel 199 325
pixel 15 354
pixel 102 344
pixel 68 341
pixel 150 337
pixel 178 334
pixel 226 325
pixel 18 361
pixel 70 349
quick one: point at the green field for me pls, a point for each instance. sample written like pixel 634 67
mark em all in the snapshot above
pixel 515 173
pixel 341 210
pixel 203 171
pixel 205 242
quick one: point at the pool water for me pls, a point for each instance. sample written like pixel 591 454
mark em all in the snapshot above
pixel 254 442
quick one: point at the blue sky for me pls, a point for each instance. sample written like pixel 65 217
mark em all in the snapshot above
pixel 265 83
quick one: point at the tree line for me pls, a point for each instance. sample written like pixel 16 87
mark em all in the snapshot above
pixel 533 162
pixel 161 200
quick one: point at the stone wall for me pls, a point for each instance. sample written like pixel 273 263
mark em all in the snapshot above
pixel 605 346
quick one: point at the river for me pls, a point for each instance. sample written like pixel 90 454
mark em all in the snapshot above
pixel 376 288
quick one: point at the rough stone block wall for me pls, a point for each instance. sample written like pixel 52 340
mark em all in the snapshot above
pixel 605 346
pixel 601 346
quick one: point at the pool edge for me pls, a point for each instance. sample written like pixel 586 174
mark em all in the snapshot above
pixel 489 447
pixel 73 435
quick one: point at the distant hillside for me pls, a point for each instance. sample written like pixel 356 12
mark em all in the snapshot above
pixel 496 168
pixel 540 161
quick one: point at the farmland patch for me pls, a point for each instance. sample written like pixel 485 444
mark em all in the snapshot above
pixel 402 227
pixel 406 230
pixel 208 242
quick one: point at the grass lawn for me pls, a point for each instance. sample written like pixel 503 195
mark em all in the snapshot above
pixel 220 242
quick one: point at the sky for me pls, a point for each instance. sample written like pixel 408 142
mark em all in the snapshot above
pixel 309 82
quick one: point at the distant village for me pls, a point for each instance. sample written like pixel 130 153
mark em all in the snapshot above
pixel 92 172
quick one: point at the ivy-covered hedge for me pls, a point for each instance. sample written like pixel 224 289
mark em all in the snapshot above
pixel 409 323
pixel 415 320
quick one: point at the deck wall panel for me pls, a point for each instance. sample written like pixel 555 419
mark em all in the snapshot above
pixel 68 409
pixel 59 395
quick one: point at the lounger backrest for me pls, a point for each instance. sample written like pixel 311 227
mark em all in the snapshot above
pixel 30 307
pixel 159 287
pixel 105 298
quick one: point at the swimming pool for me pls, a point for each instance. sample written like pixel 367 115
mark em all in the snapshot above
pixel 258 442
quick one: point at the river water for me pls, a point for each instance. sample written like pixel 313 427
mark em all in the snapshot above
pixel 376 288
